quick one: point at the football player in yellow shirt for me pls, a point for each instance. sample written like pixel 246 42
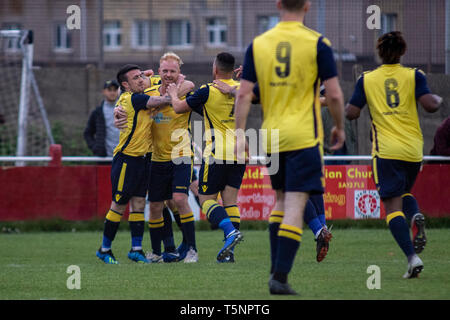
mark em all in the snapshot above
pixel 128 170
pixel 171 165
pixel 290 62
pixel 219 172
pixel 391 92
pixel 163 229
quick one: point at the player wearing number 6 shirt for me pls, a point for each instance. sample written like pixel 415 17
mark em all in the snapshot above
pixel 219 171
pixel 290 62
pixel 391 93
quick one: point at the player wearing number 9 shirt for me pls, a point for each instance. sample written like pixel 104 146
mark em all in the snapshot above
pixel 391 92
pixel 289 63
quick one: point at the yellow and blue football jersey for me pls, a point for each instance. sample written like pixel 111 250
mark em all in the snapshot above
pixel 170 132
pixel 155 80
pixel 218 114
pixel 135 139
pixel 289 62
pixel 391 92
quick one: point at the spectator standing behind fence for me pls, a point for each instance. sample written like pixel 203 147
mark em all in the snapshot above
pixel 442 139
pixel 100 134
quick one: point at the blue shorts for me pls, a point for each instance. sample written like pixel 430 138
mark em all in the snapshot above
pixel 299 171
pixel 394 177
pixel 215 176
pixel 129 177
pixel 167 178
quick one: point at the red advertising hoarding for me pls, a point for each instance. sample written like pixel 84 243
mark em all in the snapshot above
pixel 350 193
pixel 84 192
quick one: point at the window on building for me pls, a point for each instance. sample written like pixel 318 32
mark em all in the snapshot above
pixel 146 34
pixel 155 33
pixel 141 34
pixel 63 38
pixel 217 31
pixel 178 33
pixel 12 44
pixel 388 22
pixel 267 22
pixel 112 35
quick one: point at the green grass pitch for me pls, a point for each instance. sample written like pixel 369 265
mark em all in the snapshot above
pixel 34 266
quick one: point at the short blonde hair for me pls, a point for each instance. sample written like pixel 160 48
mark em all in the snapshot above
pixel 171 55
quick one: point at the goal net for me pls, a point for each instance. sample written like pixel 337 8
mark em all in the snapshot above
pixel 24 126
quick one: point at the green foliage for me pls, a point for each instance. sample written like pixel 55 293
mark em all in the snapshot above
pixel 7 143
pixel 71 139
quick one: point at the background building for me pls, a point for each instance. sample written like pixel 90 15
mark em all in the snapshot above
pixel 71 65
pixel 114 32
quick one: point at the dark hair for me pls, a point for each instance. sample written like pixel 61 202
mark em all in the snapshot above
pixel 293 5
pixel 225 62
pixel 391 46
pixel 121 75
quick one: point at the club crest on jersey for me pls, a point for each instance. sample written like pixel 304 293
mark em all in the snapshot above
pixel 367 204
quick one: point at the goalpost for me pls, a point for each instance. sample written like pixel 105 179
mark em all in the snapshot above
pixel 24 126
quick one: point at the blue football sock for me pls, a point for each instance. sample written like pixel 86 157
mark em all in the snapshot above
pixel 156 231
pixel 226 226
pixel 111 226
pixel 188 224
pixel 275 219
pixel 410 206
pixel 289 238
pixel 136 221
pixel 317 200
pixel 167 236
pixel 400 230
pixel 217 216
pixel 311 218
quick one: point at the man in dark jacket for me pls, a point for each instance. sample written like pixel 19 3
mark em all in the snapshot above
pixel 100 134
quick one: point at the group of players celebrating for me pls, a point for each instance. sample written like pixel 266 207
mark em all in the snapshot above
pixel 283 69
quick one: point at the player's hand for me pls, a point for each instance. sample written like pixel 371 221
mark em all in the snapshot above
pixel 241 148
pixel 238 72
pixel 180 80
pixel 223 87
pixel 148 73
pixel 337 138
pixel 120 118
pixel 172 90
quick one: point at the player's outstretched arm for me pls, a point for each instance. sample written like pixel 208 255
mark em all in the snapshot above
pixel 430 102
pixel 225 88
pixel 184 87
pixel 148 73
pixel 179 106
pixel 352 112
pixel 231 90
pixel 156 102
pixel 335 101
